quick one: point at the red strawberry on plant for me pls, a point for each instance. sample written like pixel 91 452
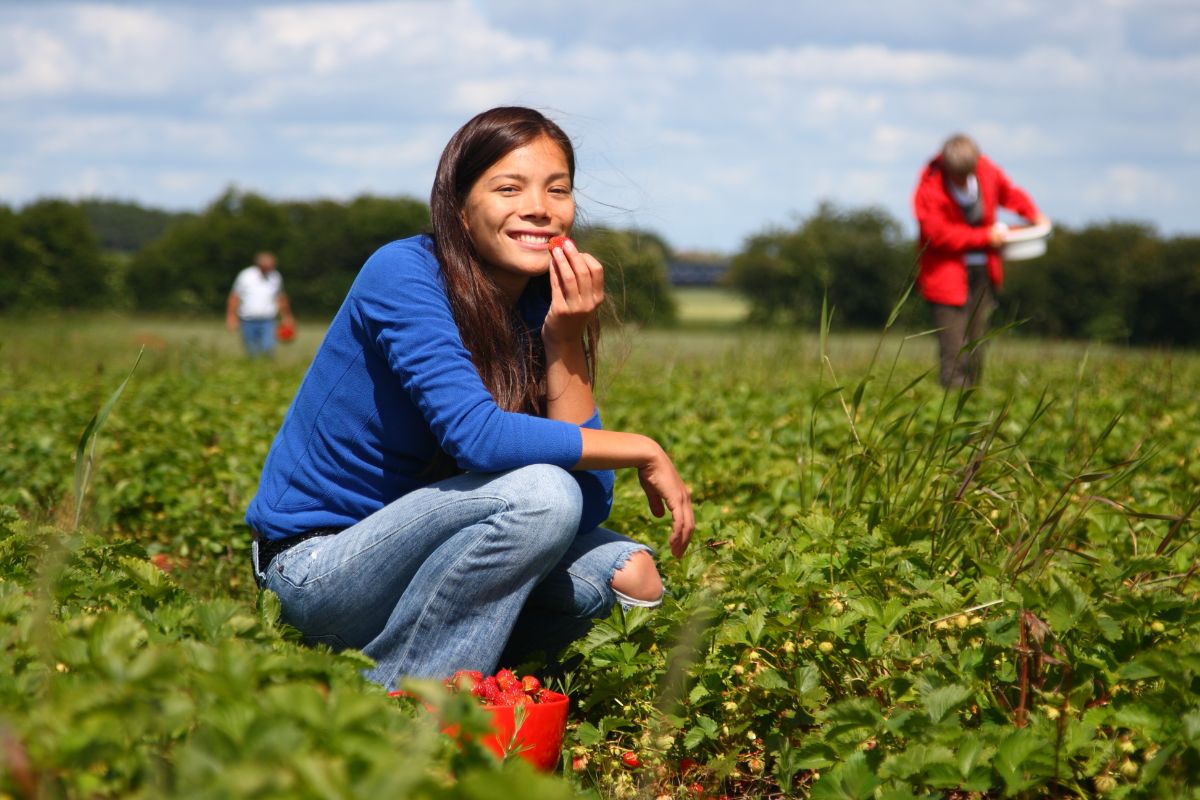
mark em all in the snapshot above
pixel 630 759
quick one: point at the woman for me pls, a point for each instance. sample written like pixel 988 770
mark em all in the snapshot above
pixel 435 493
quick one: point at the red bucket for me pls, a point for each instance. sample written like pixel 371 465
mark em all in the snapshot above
pixel 538 741
pixel 540 737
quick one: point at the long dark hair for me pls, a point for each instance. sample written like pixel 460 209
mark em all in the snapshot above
pixel 511 363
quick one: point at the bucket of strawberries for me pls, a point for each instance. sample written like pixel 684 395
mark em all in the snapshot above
pixel 528 720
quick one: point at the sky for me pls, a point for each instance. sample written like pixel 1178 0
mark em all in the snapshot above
pixel 701 120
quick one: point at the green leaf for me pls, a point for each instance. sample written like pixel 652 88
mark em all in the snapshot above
pixel 1012 759
pixel 588 734
pixel 853 779
pixel 944 699
pixel 85 456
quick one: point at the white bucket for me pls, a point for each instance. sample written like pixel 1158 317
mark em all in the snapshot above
pixel 1024 243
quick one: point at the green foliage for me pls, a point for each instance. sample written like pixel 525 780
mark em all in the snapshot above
pixel 893 591
pixel 320 245
pixel 855 258
pixel 1117 281
pixel 635 273
pixel 126 227
pixel 51 259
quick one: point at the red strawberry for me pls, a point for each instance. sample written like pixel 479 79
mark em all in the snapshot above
pixel 630 759
pixel 465 680
pixel 488 690
pixel 558 241
pixel 507 679
pixel 530 684
pixel 686 765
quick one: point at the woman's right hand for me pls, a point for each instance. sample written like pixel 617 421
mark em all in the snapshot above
pixel 665 490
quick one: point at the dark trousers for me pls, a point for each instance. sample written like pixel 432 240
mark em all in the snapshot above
pixel 961 329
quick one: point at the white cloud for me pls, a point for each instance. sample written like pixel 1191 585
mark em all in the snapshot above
pixel 711 126
pixel 1129 188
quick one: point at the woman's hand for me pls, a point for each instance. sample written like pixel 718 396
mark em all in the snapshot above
pixel 576 291
pixel 666 490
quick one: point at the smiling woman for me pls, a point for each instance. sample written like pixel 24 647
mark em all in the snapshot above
pixel 436 492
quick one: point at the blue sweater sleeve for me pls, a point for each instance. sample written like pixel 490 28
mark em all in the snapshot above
pixel 401 304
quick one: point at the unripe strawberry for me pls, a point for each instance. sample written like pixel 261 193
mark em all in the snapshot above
pixel 1104 783
pixel 1129 769
pixel 825 647
pixel 1157 626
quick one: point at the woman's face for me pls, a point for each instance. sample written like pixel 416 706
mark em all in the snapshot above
pixel 515 207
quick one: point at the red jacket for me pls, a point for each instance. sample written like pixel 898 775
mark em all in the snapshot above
pixel 944 236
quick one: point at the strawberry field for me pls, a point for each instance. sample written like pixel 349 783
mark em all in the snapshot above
pixel 893 592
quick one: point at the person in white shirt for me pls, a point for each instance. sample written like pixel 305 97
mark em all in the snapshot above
pixel 256 300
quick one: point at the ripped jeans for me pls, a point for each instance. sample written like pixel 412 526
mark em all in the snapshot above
pixel 468 573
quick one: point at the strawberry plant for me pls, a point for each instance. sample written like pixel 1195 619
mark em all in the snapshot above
pixel 892 592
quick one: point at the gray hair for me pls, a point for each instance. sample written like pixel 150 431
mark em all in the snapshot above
pixel 960 154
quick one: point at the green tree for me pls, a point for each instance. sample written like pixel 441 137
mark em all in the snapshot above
pixel 19 255
pixel 857 259
pixel 192 265
pixel 1167 294
pixel 635 273
pixel 1086 286
pixel 56 260
pixel 331 241
pixel 126 227
pixel 320 244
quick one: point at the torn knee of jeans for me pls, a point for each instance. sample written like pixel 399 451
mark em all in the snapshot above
pixel 636 578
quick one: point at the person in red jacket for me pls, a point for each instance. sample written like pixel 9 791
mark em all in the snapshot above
pixel 959 241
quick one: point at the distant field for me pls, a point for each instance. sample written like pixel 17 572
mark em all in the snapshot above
pixel 714 305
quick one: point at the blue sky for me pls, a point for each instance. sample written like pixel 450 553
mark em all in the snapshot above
pixel 706 122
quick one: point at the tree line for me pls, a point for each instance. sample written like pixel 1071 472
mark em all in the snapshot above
pixel 105 254
pixel 1116 281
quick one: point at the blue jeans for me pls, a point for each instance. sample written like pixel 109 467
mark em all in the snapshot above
pixel 457 575
pixel 258 335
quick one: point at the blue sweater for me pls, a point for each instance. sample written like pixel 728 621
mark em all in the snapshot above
pixel 391 382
